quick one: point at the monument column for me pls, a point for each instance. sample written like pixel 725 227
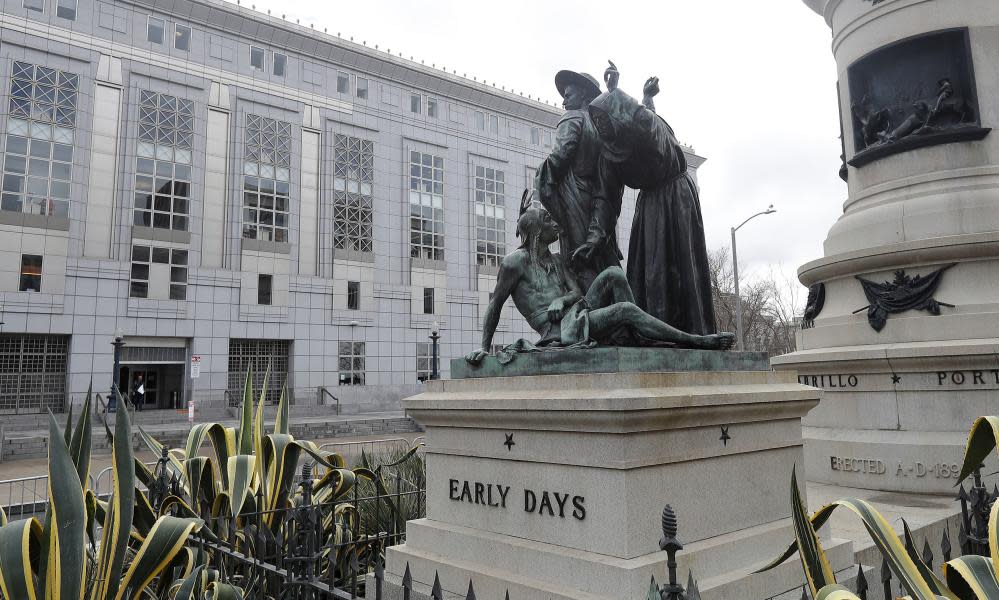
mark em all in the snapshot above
pixel 905 342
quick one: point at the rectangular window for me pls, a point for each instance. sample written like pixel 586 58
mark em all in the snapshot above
pixel 490 216
pixel 182 37
pixel 257 356
pixel 154 30
pixel 362 88
pixel 351 363
pixel 31 273
pixel 432 107
pixel 428 301
pixel 66 9
pixel 353 176
pixel 280 63
pixel 353 295
pixel 415 103
pixel 38 158
pixel 426 206
pixel 424 359
pixel 163 161
pixel 493 124
pixel 266 179
pixel 535 136
pixel 33 373
pixel 264 286
pixel 548 138
pixel 257 58
pixel 342 82
pixel 480 121
pixel 143 257
pixel 35 5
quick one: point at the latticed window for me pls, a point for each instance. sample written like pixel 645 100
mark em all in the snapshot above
pixel 266 179
pixel 143 257
pixel 424 361
pixel 163 163
pixel 353 174
pixel 257 355
pixel 33 373
pixel 426 206
pixel 38 158
pixel 351 363
pixel 490 216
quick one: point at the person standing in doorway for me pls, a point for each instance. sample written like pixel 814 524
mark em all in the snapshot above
pixel 138 392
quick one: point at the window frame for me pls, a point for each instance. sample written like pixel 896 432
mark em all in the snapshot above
pixel 26 276
pixel 34 5
pixel 177 37
pixel 59 8
pixel 283 62
pixel 156 111
pixel 149 22
pixel 480 120
pixel 356 354
pixel 424 361
pixel 178 268
pixel 536 136
pixel 265 293
pixel 426 176
pixel 263 57
pixel 358 88
pixel 416 101
pixel 433 107
pixel 353 295
pixel 489 212
pixel 429 295
pixel 343 82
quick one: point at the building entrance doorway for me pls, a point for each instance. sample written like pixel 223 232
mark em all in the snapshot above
pixel 158 366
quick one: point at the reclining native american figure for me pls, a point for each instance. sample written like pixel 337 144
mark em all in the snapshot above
pixel 545 292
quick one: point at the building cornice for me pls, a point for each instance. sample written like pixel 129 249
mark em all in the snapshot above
pixel 234 19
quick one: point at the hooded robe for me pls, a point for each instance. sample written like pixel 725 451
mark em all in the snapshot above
pixel 667 255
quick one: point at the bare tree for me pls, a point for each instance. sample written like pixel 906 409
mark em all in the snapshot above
pixel 771 305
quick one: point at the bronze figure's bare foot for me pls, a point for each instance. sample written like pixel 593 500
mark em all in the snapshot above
pixel 717 341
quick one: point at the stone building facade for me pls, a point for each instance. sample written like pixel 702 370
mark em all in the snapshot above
pixel 226 189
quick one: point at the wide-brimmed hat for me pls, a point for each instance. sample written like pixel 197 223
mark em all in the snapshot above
pixel 584 80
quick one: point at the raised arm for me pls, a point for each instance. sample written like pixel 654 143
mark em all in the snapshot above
pixel 506 282
pixel 649 91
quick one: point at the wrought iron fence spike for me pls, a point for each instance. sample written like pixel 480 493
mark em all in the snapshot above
pixel 436 592
pixel 963 494
pixel 804 596
pixel 885 569
pixel 995 491
pixel 927 552
pixel 945 546
pixel 693 592
pixel 861 581
pixel 407 578
pixel 470 594
pixel 653 589
pixel 507 596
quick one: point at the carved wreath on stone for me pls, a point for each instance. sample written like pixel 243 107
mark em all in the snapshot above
pixel 901 294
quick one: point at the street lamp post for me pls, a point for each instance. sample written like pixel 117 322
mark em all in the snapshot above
pixel 118 343
pixel 735 273
pixel 435 337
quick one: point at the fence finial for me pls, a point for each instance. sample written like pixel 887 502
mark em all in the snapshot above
pixel 470 594
pixel 436 592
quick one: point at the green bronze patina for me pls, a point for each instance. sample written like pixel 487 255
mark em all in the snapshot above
pixel 611 360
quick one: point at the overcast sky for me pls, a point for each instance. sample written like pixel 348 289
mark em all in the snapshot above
pixel 750 85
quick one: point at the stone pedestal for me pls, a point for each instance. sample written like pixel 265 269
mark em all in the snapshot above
pixel 899 401
pixel 552 486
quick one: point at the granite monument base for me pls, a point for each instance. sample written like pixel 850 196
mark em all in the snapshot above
pixel 552 486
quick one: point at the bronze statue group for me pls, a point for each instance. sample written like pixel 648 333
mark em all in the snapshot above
pixel 581 297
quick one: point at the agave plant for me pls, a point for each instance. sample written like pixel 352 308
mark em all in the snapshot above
pixel 970 577
pixel 59 557
pixel 246 491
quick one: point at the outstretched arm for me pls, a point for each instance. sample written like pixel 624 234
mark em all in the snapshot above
pixel 604 212
pixel 506 282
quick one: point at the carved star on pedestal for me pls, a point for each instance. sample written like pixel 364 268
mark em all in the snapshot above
pixel 509 443
pixel 895 378
pixel 725 437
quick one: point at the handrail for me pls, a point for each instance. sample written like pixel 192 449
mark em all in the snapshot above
pixel 322 390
